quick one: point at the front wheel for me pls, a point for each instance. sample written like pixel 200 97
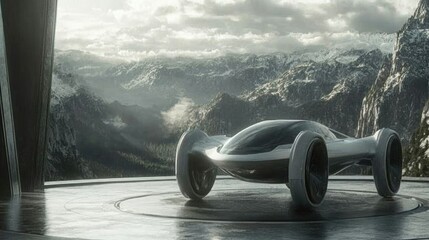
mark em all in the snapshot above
pixel 308 170
pixel 194 173
pixel 387 163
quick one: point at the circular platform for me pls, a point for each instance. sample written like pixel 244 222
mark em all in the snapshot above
pixel 154 208
pixel 266 205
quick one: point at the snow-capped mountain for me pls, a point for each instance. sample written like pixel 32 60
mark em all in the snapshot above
pixel 111 118
pixel 83 63
pixel 161 81
pixel 400 91
pixel 328 91
pixel 93 137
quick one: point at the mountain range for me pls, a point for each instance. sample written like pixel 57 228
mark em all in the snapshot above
pixel 111 118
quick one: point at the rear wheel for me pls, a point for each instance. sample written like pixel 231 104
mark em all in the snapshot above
pixel 195 174
pixel 308 170
pixel 387 163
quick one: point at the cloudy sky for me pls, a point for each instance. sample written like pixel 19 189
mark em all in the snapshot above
pixel 135 29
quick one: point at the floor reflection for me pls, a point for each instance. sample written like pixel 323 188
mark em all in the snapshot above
pixel 392 225
pixel 253 229
pixel 306 224
pixel 276 206
pixel 26 213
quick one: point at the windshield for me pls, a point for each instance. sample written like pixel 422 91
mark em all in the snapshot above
pixel 263 137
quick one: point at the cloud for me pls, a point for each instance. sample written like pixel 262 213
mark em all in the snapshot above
pixel 136 29
pixel 368 16
pixel 177 114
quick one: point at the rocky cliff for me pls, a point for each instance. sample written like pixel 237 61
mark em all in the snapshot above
pixel 90 138
pixel 416 155
pixel 400 91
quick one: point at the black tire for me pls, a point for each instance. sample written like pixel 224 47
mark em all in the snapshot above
pixel 387 163
pixel 308 170
pixel 194 173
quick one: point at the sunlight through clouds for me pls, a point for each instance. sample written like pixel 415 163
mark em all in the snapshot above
pixel 135 29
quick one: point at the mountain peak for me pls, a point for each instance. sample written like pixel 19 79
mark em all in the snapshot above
pixel 422 9
pixel 420 19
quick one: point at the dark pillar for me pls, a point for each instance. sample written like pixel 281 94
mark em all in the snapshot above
pixel 29 27
pixel 9 172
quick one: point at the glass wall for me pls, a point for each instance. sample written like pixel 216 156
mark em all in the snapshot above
pixel 131 76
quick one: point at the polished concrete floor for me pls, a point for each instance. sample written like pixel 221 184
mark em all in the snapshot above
pixel 153 208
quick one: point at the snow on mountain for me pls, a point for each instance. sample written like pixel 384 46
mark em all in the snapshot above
pixel 61 90
pixel 311 80
pixel 327 91
pixel 162 81
pixel 146 79
pixel 398 95
pixel 106 114
pixel 83 63
pixel 416 156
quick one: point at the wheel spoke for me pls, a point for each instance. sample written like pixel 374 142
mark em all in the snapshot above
pixel 202 176
pixel 195 180
pixel 209 170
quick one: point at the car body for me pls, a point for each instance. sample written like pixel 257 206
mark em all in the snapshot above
pixel 298 153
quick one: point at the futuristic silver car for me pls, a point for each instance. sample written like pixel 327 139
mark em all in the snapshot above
pixel 298 153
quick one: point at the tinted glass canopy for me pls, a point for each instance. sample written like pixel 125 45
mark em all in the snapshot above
pixel 267 135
